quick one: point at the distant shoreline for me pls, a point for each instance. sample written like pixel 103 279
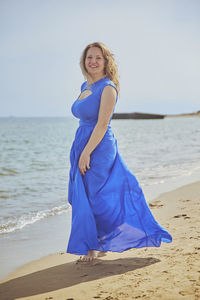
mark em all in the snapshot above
pixel 125 115
pixel 139 115
pixel 195 114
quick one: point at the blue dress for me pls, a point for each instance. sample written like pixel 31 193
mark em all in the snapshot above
pixel 109 210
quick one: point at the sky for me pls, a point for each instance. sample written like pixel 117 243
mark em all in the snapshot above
pixel 156 44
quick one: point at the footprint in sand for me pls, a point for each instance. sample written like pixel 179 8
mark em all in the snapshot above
pixel 183 215
pixel 184 200
pixel 156 205
pixel 83 275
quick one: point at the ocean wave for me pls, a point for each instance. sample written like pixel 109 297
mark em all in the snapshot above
pixel 8 172
pixel 30 218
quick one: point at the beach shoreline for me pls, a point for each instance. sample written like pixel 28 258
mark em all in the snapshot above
pixel 168 272
pixel 50 235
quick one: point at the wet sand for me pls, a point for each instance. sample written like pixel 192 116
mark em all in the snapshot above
pixel 170 272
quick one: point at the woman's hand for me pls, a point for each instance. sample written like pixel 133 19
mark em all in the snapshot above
pixel 84 162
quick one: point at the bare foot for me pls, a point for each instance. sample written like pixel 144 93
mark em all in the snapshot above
pixel 92 255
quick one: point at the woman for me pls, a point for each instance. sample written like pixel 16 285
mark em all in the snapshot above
pixel 109 211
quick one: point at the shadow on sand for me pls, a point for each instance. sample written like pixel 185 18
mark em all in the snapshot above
pixel 69 274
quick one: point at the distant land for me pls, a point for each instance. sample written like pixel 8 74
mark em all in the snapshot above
pixel 139 115
pixel 195 114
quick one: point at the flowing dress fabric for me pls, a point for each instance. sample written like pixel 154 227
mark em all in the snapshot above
pixel 109 210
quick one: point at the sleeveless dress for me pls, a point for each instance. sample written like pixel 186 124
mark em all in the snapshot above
pixel 109 210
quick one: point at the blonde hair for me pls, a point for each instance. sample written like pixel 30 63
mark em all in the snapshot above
pixel 110 70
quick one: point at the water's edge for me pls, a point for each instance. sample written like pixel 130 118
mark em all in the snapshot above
pixel 51 235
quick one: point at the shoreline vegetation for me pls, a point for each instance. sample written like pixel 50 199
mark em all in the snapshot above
pixel 139 115
pixel 169 272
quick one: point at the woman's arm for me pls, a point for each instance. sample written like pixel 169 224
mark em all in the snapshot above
pixel 108 99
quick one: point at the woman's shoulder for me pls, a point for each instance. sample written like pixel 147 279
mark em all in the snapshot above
pixel 83 86
pixel 108 82
pixel 100 85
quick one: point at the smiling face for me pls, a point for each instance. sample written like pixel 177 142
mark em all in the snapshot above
pixel 95 63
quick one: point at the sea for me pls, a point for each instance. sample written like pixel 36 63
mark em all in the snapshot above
pixel 35 216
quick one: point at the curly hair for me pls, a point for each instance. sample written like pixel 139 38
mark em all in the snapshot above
pixel 110 69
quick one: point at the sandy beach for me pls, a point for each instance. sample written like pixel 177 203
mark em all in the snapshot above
pixel 170 272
